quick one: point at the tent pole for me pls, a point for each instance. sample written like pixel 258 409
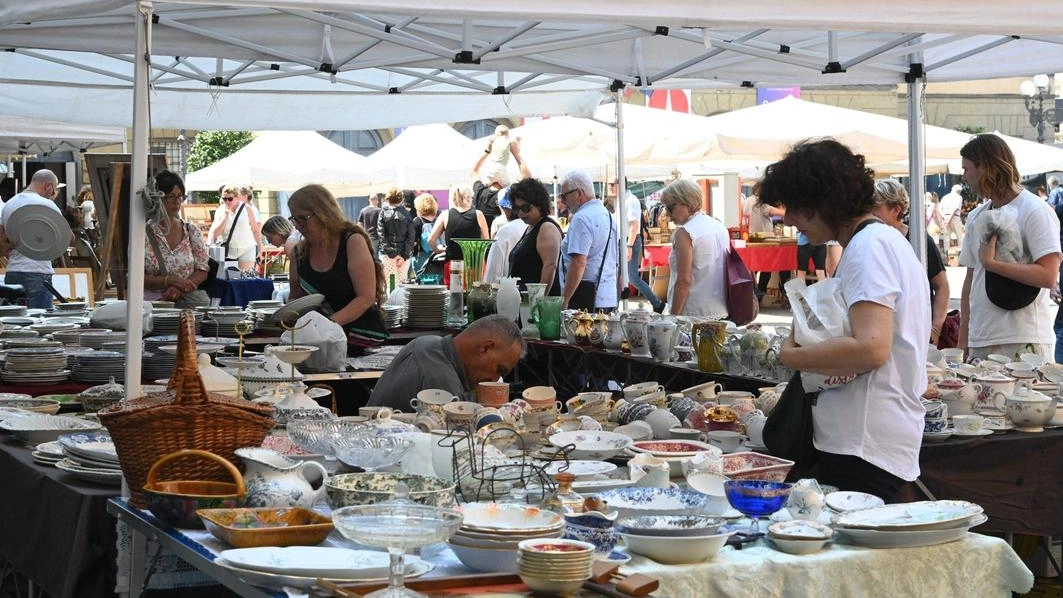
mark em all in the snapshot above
pixel 621 192
pixel 916 166
pixel 137 178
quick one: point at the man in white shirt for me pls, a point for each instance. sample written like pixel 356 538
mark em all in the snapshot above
pixel 588 251
pixel 952 223
pixel 633 258
pixel 30 273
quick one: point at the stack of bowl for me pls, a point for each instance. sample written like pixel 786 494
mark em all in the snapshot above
pixel 491 533
pixel 594 404
pixel 799 537
pixel 553 565
pixel 543 406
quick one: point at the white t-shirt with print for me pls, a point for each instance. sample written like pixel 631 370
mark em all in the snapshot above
pixel 878 417
pixel 988 324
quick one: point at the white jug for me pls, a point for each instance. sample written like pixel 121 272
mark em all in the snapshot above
pixel 274 480
pixel 507 301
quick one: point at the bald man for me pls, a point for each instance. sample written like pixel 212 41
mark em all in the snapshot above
pixel 30 273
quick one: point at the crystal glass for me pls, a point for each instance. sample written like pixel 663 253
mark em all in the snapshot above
pixel 371 454
pixel 398 526
pixel 756 498
pixel 322 436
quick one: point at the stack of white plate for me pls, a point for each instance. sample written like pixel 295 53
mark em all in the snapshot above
pixel 91 457
pixel 392 316
pixel 48 453
pixel 48 327
pixel 223 323
pixel 73 336
pixel 99 367
pixel 426 306
pixel 16 322
pixel 30 342
pixel 71 306
pixel 264 304
pixel 73 352
pixel 169 322
pixel 12 310
pixel 490 533
pixel 96 340
pixel 264 319
pixel 909 524
pixel 36 365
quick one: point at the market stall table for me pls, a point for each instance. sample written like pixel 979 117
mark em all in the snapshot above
pixel 758 257
pixel 976 565
pixel 241 291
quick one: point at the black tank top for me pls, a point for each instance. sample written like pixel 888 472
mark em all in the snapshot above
pixel 460 225
pixel 525 262
pixel 335 283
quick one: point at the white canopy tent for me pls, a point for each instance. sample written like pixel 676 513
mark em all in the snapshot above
pixel 424 157
pixel 19 134
pixel 204 49
pixel 282 161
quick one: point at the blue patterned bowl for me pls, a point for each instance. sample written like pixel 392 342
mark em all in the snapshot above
pixel 637 502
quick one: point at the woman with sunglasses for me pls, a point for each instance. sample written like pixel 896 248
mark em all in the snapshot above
pixel 334 259
pixel 534 258
pixel 697 285
pixel 236 222
pixel 175 257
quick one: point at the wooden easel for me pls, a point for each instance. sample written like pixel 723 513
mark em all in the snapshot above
pixel 114 218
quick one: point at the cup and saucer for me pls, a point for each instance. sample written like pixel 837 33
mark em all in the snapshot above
pixel 982 432
pixel 939 436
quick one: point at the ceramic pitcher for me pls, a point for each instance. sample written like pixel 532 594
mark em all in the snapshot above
pixel 708 339
pixel 274 480
pixel 636 329
pixel 663 336
pixel 614 333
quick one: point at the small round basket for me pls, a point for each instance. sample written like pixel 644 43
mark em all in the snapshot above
pixel 176 502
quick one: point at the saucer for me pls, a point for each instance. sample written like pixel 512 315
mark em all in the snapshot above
pixel 755 447
pixel 616 557
pixel 982 432
pixel 938 436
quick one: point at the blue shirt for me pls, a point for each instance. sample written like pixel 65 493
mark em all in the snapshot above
pixel 802 239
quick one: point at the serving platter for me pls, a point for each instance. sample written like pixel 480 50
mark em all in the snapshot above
pixel 415 567
pixel 873 538
pixel 931 514
pixel 39 232
pixel 311 561
pixel 581 468
pixel 99 476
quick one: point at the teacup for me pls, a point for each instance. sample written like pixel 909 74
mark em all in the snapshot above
pixel 968 424
pixel 726 440
pixel 369 412
pixel 729 397
pixel 935 409
pixel 744 407
pixel 492 394
pixel 434 396
pixel 461 414
pixel 538 395
pixel 589 401
pixel 656 398
pixel 685 434
pixel 429 421
pixel 662 421
pixel 681 406
pixel 488 415
pixel 703 392
pixel 935 424
pixel 642 388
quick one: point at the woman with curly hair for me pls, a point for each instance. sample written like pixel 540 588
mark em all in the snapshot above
pixel 867 432
pixel 334 259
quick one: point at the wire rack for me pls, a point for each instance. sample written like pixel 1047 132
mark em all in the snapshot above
pixel 479 481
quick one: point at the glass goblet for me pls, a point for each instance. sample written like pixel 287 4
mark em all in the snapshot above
pixel 756 498
pixel 370 454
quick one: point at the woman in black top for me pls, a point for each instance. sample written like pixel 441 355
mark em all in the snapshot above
pixel 534 258
pixel 335 260
pixel 459 222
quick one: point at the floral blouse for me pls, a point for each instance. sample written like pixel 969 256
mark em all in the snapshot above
pixel 181 261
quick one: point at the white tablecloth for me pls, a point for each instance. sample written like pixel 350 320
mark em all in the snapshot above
pixel 976 566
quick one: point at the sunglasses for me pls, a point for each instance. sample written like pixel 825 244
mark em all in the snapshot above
pixel 522 208
pixel 230 198
pixel 300 220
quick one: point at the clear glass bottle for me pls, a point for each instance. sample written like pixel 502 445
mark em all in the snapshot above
pixel 456 306
pixel 564 499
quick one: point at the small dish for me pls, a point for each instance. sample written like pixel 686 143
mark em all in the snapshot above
pixel 845 501
pixel 249 528
pixel 800 530
pixel 982 432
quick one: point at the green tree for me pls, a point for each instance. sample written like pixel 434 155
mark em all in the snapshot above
pixel 971 130
pixel 211 146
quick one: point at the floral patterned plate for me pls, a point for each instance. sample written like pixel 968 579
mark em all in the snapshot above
pixel 508 518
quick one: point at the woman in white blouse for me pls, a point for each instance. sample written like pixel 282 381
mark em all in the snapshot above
pixel 697 285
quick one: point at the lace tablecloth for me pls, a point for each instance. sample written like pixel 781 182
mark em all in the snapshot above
pixel 976 566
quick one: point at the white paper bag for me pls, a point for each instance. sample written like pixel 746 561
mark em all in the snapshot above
pixel 331 342
pixel 820 314
pixel 114 317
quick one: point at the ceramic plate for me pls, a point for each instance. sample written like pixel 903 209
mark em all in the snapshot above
pixel 673 448
pixel 930 514
pixel 978 433
pixel 580 468
pixel 635 502
pixel 871 538
pixel 484 516
pixel 589 486
pixel 310 561
pixel 99 476
pixel 938 436
pixel 845 501
pixel 96 446
pixel 293 310
pixel 415 567
pixel 42 232
pixel 52 449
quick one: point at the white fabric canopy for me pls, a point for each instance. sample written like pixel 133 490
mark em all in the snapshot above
pixel 424 157
pixel 35 135
pixel 284 160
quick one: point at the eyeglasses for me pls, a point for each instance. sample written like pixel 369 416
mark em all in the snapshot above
pixel 230 198
pixel 178 197
pixel 300 220
pixel 562 196
pixel 522 208
pixel 669 207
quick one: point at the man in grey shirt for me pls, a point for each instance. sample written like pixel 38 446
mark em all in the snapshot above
pixel 485 351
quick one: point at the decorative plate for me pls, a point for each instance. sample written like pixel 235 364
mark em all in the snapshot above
pixel 39 232
pixel 293 310
pixel 845 501
pixel 673 448
pixel 415 567
pixel 930 514
pixel 95 446
pixel 874 538
pixel 489 516
pixel 581 468
pixel 636 502
pixel 51 449
pixel 938 436
pixel 310 561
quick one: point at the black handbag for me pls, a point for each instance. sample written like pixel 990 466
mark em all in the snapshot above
pixel 586 293
pixel 788 432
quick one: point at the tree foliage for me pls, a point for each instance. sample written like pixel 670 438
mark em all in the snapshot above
pixel 211 146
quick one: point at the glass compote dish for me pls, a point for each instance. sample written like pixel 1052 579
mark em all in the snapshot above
pixel 370 454
pixel 397 525
pixel 473 252
pixel 756 498
pixel 322 436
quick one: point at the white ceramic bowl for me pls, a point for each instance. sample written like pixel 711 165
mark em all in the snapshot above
pixel 596 446
pixel 638 501
pixel 801 546
pixel 35 429
pixel 677 550
pixel 486 560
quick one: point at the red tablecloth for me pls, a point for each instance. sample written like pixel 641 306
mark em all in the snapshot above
pixel 758 258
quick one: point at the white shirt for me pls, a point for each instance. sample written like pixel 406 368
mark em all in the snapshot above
pixel 18 262
pixel 708 289
pixel 878 417
pixel 759 219
pixel 988 324
pixel 498 257
pixel 243 237
pixel 949 206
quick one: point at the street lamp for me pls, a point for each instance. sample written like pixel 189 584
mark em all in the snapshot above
pixel 1033 95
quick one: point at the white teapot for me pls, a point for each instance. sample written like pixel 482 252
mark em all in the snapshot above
pixel 806 500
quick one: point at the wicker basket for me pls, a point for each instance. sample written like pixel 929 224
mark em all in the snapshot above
pixel 186 416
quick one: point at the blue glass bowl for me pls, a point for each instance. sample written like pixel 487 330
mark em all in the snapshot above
pixel 756 498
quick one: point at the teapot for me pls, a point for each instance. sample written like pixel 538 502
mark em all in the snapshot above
pixel 806 500
pixel 1030 410
pixel 613 336
pixel 599 329
pixel 996 388
pixel 580 328
pixel 708 339
pixel 274 480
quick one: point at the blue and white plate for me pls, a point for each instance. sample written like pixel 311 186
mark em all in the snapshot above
pixel 636 502
pixel 96 447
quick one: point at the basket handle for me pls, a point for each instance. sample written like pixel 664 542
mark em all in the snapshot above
pixel 185 382
pixel 241 490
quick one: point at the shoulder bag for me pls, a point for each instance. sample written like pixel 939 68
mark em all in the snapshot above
pixel 788 432
pixel 742 304
pixel 584 297
pixel 212 264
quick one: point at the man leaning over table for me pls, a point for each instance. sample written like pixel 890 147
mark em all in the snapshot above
pixel 30 273
pixel 485 351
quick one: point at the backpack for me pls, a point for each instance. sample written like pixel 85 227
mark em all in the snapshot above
pixel 426 233
pixel 395 226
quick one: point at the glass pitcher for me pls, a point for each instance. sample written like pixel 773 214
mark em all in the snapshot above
pixel 547 315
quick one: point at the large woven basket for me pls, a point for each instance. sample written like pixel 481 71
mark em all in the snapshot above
pixel 185 416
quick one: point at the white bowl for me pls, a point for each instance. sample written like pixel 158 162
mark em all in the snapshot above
pixel 596 446
pixel 486 560
pixel 677 550
pixel 638 501
pixel 35 429
pixel 802 546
